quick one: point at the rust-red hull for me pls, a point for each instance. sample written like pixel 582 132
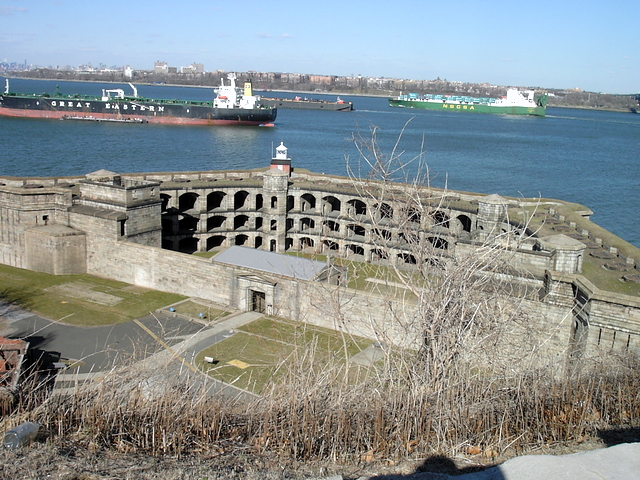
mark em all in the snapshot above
pixel 165 120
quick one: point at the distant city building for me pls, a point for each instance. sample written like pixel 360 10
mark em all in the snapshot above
pixel 193 68
pixel 160 67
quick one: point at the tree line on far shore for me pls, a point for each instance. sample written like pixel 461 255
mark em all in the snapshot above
pixel 348 85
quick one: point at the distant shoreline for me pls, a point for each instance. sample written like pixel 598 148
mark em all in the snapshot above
pixel 304 92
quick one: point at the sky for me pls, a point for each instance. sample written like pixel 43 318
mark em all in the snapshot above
pixel 593 45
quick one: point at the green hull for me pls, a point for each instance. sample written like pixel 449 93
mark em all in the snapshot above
pixel 469 108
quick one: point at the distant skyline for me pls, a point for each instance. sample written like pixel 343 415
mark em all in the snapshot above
pixel 592 45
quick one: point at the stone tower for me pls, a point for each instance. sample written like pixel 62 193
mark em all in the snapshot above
pixel 275 191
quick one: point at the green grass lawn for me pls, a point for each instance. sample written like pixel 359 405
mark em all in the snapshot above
pixel 80 299
pixel 260 353
pixel 607 280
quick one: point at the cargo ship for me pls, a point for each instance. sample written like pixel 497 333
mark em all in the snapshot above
pixel 514 103
pixel 231 106
pixel 309 104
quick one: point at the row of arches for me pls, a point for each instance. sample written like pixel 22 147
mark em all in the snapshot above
pixel 367 253
pixel 330 206
pixel 187 224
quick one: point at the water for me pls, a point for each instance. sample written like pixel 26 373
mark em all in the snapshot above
pixel 580 156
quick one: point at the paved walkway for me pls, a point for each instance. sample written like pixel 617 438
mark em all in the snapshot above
pixel 175 361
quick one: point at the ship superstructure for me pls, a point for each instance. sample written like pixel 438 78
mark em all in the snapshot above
pixel 231 106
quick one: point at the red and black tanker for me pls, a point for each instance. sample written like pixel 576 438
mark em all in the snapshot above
pixel 231 106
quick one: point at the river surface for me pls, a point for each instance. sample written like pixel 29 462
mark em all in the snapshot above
pixel 587 157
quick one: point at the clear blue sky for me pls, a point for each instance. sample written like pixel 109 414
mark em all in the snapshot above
pixel 591 44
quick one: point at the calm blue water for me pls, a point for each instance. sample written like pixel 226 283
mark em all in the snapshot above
pixel 591 158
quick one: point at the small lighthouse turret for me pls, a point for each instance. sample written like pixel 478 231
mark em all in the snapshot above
pixel 281 161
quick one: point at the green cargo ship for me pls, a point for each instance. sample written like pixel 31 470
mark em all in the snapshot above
pixel 514 103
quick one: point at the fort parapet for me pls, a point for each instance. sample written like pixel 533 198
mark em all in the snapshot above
pixel 144 229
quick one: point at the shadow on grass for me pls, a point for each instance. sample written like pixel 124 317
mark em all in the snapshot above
pixel 616 436
pixel 440 464
pixel 18 297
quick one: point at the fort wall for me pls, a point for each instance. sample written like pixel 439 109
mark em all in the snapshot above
pixel 143 228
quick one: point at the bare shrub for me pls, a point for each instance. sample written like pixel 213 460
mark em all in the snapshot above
pixel 471 371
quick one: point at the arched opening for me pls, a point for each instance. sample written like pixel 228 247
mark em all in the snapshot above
pixel 214 200
pixel 407 258
pixel 440 219
pixel 357 207
pixel 188 224
pixel 241 239
pixel 215 241
pixel 413 215
pixel 382 234
pixel 307 202
pixel 274 202
pixel 354 230
pixel 384 210
pixel 378 254
pixel 259 221
pixel 410 238
pixel 187 201
pixel 306 242
pixel 240 221
pixel 240 200
pixel 355 249
pixel 259 202
pixel 307 224
pixel 331 226
pixel 439 243
pixel 288 243
pixel 290 202
pixel 329 245
pixel 465 222
pixel 330 204
pixel 215 222
pixel 257 243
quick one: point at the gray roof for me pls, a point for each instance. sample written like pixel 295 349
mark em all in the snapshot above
pixel 271 262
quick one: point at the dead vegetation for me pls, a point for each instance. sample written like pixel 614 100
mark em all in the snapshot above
pixel 477 384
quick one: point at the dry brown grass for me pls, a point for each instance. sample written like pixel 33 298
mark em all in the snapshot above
pixel 474 384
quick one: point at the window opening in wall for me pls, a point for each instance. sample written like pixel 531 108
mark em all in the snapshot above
pixel 274 202
pixel 122 228
pixel 274 225
pixel 45 219
pixel 272 246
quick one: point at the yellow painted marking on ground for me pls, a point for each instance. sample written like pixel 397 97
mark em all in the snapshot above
pixel 238 363
pixel 167 347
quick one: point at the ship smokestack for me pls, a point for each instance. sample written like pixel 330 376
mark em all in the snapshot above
pixel 248 89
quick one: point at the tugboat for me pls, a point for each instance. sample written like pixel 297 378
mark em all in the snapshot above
pixel 232 106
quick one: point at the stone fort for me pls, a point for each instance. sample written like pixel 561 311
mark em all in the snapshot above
pixel 149 229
